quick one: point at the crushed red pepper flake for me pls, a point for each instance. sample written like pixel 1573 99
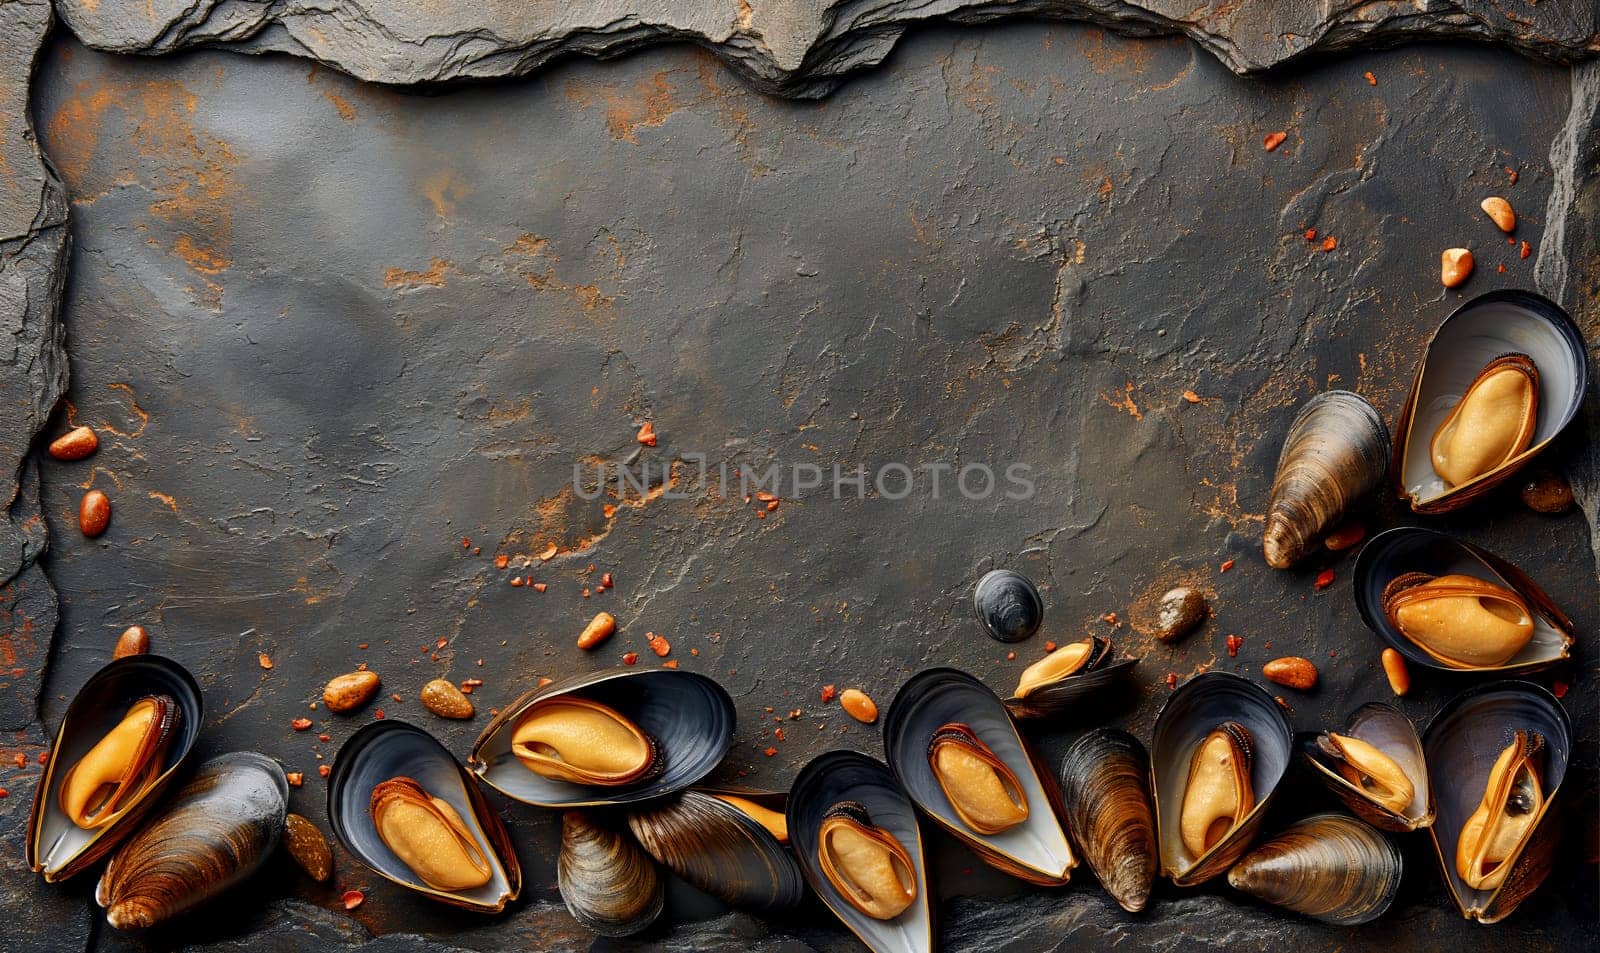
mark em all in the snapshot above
pixel 695 652
pixel 1283 704
pixel 605 580
pixel 670 663
pixel 353 899
pixel 264 660
pixel 630 658
pixel 1227 564
pixel 1311 234
pixel 1330 243
pixel 1172 680
pixel 44 756
pixel 295 778
pixel 770 752
pixel 466 543
pixel 378 713
pixel 1011 656
pixel 300 724
pixel 1049 646
pixel 1191 397
pixel 4 793
pixel 1234 642
pixel 658 644
pixel 828 691
pixel 1371 79
pixel 772 506
pixel 1502 268
pixel 22 760
pixel 1273 140
pixel 324 738
pixel 540 586
pixel 1559 689
pixel 395 696
pixel 1324 579
pixel 761 514
pixel 1109 617
pixel 777 733
pixel 1527 250
pixel 516 582
pixel 586 592
pixel 323 770
pixel 545 681
pixel 647 434
pixel 1511 174
pixel 362 646
pixel 502 561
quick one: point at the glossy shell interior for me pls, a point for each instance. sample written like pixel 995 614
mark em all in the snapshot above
pixel 1412 549
pixel 1104 673
pixel 1500 322
pixel 1198 706
pixel 388 749
pixel 690 717
pixel 58 848
pixel 1461 745
pixel 1391 732
pixel 837 776
pixel 1037 849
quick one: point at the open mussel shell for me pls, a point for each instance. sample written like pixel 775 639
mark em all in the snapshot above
pixel 1105 794
pixel 215 831
pixel 720 849
pixel 607 881
pixel 391 749
pixel 57 848
pixel 1101 673
pixel 848 777
pixel 1336 451
pixel 1328 866
pixel 1007 605
pixel 1487 327
pixel 688 716
pixel 1409 549
pixel 1036 849
pixel 1193 711
pixel 1462 745
pixel 1387 729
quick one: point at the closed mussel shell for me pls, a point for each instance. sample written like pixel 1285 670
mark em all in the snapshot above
pixel 1336 452
pixel 1197 709
pixel 1105 793
pixel 1007 605
pixel 1102 672
pixel 389 749
pixel 838 778
pixel 214 832
pixel 719 848
pixel 1390 733
pixel 1328 866
pixel 1489 327
pixel 607 881
pixel 1407 550
pixel 931 703
pixel 687 717
pixel 57 847
pixel 1464 745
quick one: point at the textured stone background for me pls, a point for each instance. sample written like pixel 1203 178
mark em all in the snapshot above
pixel 328 329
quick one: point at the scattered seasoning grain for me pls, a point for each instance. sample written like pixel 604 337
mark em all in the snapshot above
pixel 516 582
pixel 658 644
pixel 770 752
pixel 323 770
pixel 1191 397
pixel 378 714
pixel 324 738
pixel 1324 579
pixel 1501 268
pixel 777 733
pixel 22 760
pixel 395 696
pixel 1527 250
pixel 647 434
pixel 44 756
pixel 761 514
pixel 629 658
pixel 1371 79
pixel 540 587
pixel 502 561
pixel 1559 689
pixel 670 663
pixel 4 793
pixel 1049 646
pixel 1273 140
pixel 827 693
pixel 264 660
pixel 1511 175
pixel 1330 243
pixel 295 778
pixel 1172 680
pixel 1109 618
pixel 1234 643
pixel 1311 234
pixel 353 899
pixel 300 724
pixel 586 592
pixel 466 543
pixel 1227 564
pixel 1011 656
pixel 772 506
pixel 605 580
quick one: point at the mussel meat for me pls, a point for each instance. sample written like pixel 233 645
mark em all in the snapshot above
pixel 1505 818
pixel 1502 376
pixel 619 736
pixel 221 826
pixel 1374 764
pixel 869 866
pixel 582 741
pixel 1336 452
pixel 1327 866
pixel 402 804
pixel 1221 747
pixel 857 841
pixel 121 743
pixel 1105 793
pixel 1008 606
pixel 608 884
pixel 1497 755
pixel 429 836
pixel 728 844
pixel 1068 677
pixel 955 750
pixel 1218 794
pixel 1447 604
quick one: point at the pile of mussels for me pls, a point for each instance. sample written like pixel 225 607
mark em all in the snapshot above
pixel 623 753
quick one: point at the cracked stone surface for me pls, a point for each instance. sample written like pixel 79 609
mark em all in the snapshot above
pixel 790 47
pixel 328 330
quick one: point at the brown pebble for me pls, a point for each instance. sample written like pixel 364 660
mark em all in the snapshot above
pixel 350 691
pixel 444 699
pixel 1547 492
pixel 1455 266
pixel 94 513
pixel 134 640
pixel 75 444
pixel 858 705
pixel 308 847
pixel 1291 671
pixel 598 630
pixel 1181 611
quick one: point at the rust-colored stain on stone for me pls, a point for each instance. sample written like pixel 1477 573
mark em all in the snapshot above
pixel 431 277
pixel 645 104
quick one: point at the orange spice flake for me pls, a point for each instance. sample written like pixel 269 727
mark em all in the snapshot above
pixel 828 692
pixel 300 724
pixel 502 561
pixel 1330 243
pixel 322 770
pixel 264 660
pixel 1234 643
pixel 630 658
pixel 353 899
pixel 1311 234
pixel 647 434
pixel 1371 79
pixel 1324 579
pixel 1273 140
pixel 658 644
pixel 295 778
pixel 540 586
pixel 1172 680
pixel 1527 250
pixel 1191 397
pixel 1227 564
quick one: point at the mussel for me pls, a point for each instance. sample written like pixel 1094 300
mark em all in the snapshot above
pixel 119 746
pixel 1502 376
pixel 1220 748
pixel 1007 605
pixel 1336 452
pixel 855 833
pixel 955 750
pixel 405 808
pixel 727 843
pixel 1447 604
pixel 618 736
pixel 1068 677
pixel 1374 764
pixel 1327 866
pixel 608 883
pixel 1105 794
pixel 217 830
pixel 1497 755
